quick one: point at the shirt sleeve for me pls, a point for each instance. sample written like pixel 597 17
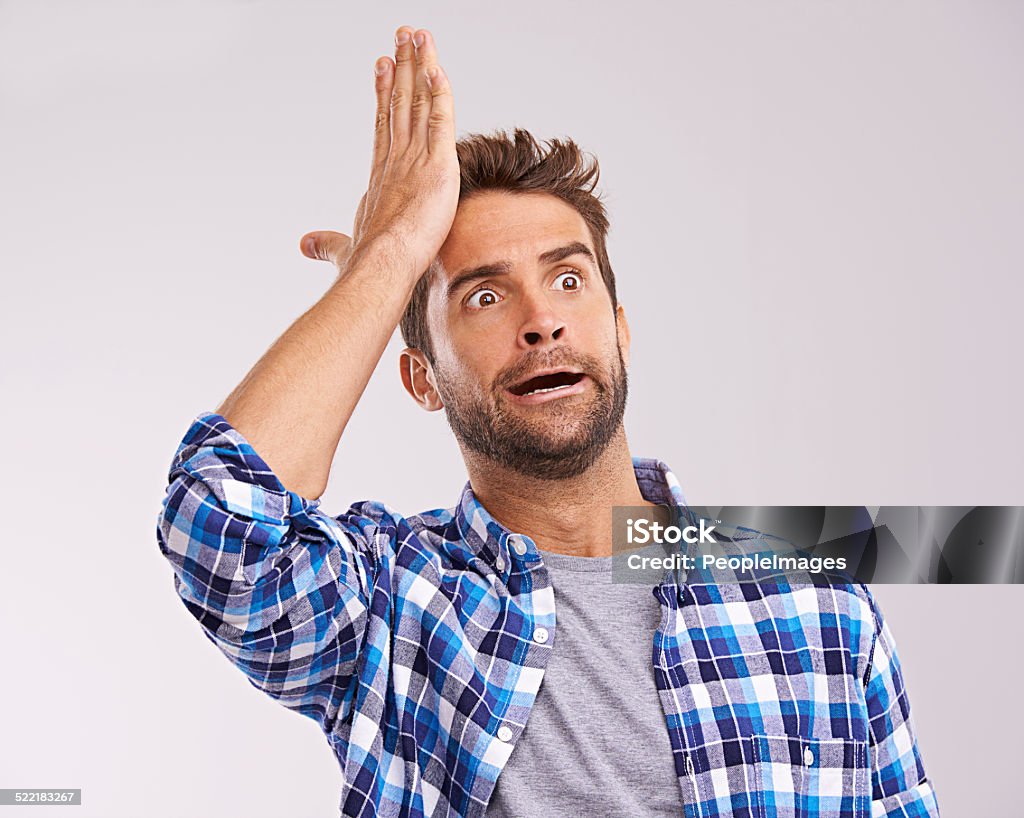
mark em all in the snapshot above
pixel 280 587
pixel 899 784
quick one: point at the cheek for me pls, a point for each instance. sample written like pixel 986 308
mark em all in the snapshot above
pixel 481 340
pixel 600 331
pixel 466 364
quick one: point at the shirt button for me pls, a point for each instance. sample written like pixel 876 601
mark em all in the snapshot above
pixel 808 757
pixel 504 733
pixel 518 545
pixel 499 564
pixel 540 635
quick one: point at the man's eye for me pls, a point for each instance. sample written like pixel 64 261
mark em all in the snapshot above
pixel 568 282
pixel 483 298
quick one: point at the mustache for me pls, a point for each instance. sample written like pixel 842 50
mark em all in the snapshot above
pixel 560 357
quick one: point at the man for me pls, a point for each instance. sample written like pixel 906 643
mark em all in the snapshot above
pixel 478 660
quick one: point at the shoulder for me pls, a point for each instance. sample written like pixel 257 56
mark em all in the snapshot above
pixel 392 532
pixel 849 610
pixel 834 615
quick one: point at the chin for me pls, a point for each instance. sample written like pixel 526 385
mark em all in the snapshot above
pixel 559 441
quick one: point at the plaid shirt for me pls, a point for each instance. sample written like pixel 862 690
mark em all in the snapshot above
pixel 418 644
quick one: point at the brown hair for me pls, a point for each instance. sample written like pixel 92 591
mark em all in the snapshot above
pixel 517 163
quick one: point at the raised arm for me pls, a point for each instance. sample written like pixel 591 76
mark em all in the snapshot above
pixel 295 402
pixel 282 588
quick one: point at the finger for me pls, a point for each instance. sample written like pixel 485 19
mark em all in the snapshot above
pixel 384 74
pixel 326 245
pixel 442 112
pixel 426 59
pixel 404 86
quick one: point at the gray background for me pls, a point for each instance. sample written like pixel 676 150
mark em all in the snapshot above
pixel 816 212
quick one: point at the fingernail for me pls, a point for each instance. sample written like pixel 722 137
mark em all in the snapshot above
pixel 418 40
pixel 380 67
pixel 309 246
pixel 402 37
pixel 432 74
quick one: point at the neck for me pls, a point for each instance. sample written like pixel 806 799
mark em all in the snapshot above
pixel 570 516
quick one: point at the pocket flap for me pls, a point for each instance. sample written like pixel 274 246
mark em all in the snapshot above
pixel 799 776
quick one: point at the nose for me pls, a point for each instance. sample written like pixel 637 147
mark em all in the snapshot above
pixel 541 324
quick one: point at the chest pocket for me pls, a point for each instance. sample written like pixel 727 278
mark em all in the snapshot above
pixel 811 778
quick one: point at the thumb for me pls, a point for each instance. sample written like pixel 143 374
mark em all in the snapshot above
pixel 326 245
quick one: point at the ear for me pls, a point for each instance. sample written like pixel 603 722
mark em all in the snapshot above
pixel 419 380
pixel 622 331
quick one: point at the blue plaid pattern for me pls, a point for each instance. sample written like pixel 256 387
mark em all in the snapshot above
pixel 410 640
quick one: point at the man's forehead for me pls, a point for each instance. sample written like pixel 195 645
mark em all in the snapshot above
pixel 494 227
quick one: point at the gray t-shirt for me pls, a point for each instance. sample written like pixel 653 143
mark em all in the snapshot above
pixel 596 742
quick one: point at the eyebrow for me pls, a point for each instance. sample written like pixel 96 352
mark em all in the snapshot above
pixel 499 268
pixel 576 248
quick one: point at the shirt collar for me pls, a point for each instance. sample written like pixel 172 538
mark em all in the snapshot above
pixel 486 536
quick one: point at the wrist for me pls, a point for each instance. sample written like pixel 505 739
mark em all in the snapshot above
pixel 389 255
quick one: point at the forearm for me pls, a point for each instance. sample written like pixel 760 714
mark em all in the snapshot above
pixel 296 401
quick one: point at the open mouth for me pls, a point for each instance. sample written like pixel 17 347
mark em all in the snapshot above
pixel 552 382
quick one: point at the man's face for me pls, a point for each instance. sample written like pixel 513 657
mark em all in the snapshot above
pixel 528 350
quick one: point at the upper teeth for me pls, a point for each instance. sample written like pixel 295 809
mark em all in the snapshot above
pixel 549 389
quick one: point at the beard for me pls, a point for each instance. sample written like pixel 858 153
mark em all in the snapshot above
pixel 559 439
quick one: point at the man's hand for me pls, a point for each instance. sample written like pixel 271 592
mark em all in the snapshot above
pixel 295 402
pixel 410 203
